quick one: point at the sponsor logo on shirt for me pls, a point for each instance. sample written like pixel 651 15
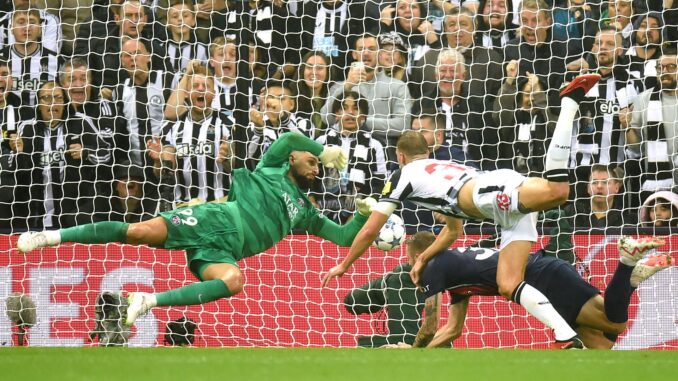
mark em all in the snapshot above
pixel 53 157
pixel 292 209
pixel 202 148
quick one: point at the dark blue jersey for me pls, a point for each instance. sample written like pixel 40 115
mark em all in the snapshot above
pixel 473 271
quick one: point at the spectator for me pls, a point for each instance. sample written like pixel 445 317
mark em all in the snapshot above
pixel 12 200
pixel 483 65
pixel 31 63
pixel 99 121
pixel 431 125
pixel 126 202
pixel 225 68
pixel 660 210
pixel 495 25
pixel 525 123
pixel 313 80
pixel 604 110
pixel 198 144
pixel 182 45
pixel 52 161
pixel 620 14
pixel 336 191
pixel 141 99
pixel 104 55
pixel 332 27
pixel 393 56
pixel 207 12
pixel 408 19
pixel 388 98
pixel 464 129
pixel 645 49
pixel 274 117
pixel 601 210
pixel 651 136
pixel 576 23
pixel 50 26
pixel 395 292
pixel 537 52
pixel 100 24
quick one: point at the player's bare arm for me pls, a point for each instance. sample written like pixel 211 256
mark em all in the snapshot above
pixel 453 328
pixel 430 324
pixel 448 235
pixel 362 241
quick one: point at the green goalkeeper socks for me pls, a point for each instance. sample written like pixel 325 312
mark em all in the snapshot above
pixel 100 232
pixel 196 293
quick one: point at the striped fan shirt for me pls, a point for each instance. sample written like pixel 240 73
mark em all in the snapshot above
pixel 197 143
pixel 30 72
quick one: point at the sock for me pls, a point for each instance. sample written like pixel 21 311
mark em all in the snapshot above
pixel 618 294
pixel 539 306
pixel 558 152
pixel 196 293
pixel 100 232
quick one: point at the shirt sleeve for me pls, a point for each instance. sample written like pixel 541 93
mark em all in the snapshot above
pixel 396 188
pixel 342 235
pixel 279 152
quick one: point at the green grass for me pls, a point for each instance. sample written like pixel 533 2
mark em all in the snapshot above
pixel 72 364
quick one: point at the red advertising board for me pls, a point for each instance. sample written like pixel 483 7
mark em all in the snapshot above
pixel 283 303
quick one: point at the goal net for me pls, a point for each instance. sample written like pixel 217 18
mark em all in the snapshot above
pixel 120 110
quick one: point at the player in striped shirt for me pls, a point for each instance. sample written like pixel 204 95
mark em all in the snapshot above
pixel 504 196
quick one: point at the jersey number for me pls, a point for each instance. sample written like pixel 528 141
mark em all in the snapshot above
pixel 450 168
pixel 480 253
pixel 189 220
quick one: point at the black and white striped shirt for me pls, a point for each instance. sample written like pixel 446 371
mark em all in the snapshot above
pixel 30 72
pixel 180 54
pixel 197 143
pixel 52 36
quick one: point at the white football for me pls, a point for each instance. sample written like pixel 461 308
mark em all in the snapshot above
pixel 391 235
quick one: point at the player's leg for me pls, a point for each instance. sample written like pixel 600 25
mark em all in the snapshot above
pixel 543 194
pixel 594 339
pixel 219 280
pixel 611 314
pixel 152 232
pixel 558 152
pixel 510 280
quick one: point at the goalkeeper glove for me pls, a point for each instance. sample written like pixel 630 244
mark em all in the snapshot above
pixel 334 157
pixel 364 206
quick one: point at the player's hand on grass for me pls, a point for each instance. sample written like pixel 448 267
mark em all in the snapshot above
pixel 334 272
pixel 364 205
pixel 334 157
pixel 400 345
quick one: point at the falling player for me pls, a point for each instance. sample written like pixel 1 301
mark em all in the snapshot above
pixel 504 196
pixel 263 207
pixel 466 271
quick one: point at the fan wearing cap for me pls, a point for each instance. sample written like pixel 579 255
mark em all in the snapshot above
pixel 393 56
pixel 645 50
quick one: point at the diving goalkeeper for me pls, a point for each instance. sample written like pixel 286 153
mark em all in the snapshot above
pixel 263 207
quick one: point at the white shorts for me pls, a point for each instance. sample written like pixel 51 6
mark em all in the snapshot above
pixel 496 196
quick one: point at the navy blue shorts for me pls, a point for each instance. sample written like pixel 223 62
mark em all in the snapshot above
pixel 562 285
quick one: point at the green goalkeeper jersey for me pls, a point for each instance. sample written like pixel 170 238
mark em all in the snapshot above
pixel 271 205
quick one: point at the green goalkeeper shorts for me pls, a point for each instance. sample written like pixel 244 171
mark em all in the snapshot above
pixel 209 233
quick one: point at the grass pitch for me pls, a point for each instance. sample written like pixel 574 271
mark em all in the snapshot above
pixel 126 364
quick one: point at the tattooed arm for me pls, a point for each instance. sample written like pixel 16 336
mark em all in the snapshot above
pixel 453 328
pixel 430 325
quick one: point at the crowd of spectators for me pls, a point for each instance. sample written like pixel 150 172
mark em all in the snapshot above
pixel 118 109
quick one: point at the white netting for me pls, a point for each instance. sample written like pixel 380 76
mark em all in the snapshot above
pixel 119 110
